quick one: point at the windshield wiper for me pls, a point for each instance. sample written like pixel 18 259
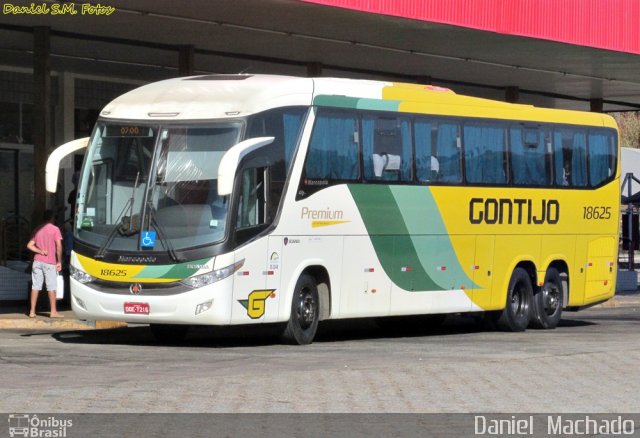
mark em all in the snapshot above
pixel 166 242
pixel 127 226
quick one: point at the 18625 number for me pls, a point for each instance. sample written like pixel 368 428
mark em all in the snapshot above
pixel 595 212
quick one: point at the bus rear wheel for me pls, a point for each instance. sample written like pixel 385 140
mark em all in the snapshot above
pixel 305 311
pixel 169 333
pixel 516 315
pixel 548 302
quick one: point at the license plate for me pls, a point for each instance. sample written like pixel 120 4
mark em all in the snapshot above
pixel 136 308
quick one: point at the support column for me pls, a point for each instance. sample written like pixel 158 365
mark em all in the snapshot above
pixel 597 105
pixel 41 119
pixel 68 97
pixel 65 132
pixel 512 94
pixel 186 61
pixel 314 69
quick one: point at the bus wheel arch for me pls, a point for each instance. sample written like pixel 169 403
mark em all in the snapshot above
pixel 323 283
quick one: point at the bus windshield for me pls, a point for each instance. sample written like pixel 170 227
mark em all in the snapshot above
pixel 153 187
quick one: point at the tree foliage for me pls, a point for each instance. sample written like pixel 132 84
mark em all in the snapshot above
pixel 629 126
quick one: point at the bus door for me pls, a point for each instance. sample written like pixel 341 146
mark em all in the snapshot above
pixel 254 286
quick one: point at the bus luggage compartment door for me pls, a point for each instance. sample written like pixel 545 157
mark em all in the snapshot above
pixel 600 265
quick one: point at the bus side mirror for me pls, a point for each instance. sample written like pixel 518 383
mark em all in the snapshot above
pixel 53 162
pixel 231 159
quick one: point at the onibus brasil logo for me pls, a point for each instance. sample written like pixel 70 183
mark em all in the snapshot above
pixel 33 426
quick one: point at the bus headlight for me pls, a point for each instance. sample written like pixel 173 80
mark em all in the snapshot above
pixel 213 276
pixel 80 275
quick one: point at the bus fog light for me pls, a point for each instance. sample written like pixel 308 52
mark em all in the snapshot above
pixel 80 303
pixel 203 307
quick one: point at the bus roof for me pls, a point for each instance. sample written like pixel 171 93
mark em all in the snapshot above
pixel 230 96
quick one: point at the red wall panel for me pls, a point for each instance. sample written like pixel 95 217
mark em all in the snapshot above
pixel 605 24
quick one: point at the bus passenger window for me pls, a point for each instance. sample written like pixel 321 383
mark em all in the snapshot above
pixel 602 157
pixel 387 153
pixel 529 163
pixel 570 157
pixel 484 153
pixel 438 152
pixel 333 151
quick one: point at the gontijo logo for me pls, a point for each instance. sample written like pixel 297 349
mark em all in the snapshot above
pixel 514 211
pixel 32 426
pixel 255 302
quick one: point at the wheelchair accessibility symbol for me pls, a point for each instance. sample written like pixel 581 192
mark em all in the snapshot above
pixel 148 239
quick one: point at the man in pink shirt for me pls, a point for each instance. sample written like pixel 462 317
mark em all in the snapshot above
pixel 46 243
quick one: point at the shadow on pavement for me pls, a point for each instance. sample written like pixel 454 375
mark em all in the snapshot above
pixel 266 335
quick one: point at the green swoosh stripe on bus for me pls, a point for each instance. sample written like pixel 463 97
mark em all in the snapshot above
pixel 409 237
pixel 179 271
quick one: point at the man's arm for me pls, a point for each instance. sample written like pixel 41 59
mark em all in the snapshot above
pixel 59 255
pixel 31 246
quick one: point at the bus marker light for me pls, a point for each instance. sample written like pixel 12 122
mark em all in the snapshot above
pixel 267 272
pixel 441 268
pixel 475 267
pixel 406 269
pixel 369 270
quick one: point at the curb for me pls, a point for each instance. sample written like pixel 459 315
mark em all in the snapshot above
pixel 617 303
pixel 40 323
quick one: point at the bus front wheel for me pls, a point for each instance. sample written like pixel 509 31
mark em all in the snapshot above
pixel 548 302
pixel 305 310
pixel 516 315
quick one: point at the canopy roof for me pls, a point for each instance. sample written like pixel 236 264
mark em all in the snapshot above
pixel 140 40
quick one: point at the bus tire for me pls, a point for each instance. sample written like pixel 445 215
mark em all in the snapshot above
pixel 305 310
pixel 169 333
pixel 516 315
pixel 547 302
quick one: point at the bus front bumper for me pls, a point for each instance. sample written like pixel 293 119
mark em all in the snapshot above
pixel 209 305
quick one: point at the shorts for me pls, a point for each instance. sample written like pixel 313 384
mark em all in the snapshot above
pixel 44 272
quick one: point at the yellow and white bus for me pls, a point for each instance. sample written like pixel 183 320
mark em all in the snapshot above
pixel 237 199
